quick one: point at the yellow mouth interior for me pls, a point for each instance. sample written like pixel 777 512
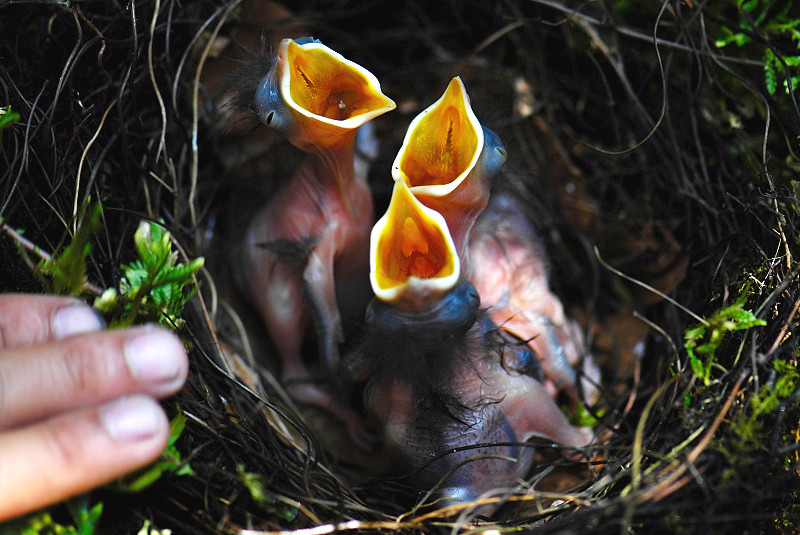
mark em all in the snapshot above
pixel 327 86
pixel 443 144
pixel 411 244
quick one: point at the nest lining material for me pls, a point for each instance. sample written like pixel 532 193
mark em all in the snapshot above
pixel 632 134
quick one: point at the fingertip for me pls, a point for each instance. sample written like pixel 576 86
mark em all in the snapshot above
pixel 27 319
pixel 135 419
pixel 74 318
pixel 157 359
pixel 74 452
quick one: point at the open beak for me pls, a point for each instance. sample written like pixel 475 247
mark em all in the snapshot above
pixel 316 97
pixel 448 160
pixel 413 260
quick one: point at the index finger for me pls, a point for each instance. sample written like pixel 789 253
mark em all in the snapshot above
pixel 33 319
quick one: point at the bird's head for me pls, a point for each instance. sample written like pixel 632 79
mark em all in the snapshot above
pixel 447 156
pixel 315 97
pixel 446 319
pixel 413 261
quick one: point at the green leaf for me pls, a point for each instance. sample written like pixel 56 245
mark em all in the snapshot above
pixel 705 339
pixel 170 461
pixel 85 519
pixel 255 485
pixel 66 270
pixel 706 349
pixel 8 118
pixel 697 366
pixel 152 244
pixel 176 427
pixel 41 523
pixel 581 417
pixel 728 37
pixel 156 286
pixel 749 5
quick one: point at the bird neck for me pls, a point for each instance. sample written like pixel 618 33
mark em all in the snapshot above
pixel 334 169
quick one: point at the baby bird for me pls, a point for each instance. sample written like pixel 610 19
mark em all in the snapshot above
pixel 448 161
pixel 457 395
pixel 456 402
pixel 509 271
pixel 306 254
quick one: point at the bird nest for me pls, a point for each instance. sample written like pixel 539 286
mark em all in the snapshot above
pixel 654 143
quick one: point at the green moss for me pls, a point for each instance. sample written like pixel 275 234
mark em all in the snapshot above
pixel 169 461
pixel 582 417
pixel 256 486
pixel 773 23
pixel 8 118
pixel 752 422
pixel 702 340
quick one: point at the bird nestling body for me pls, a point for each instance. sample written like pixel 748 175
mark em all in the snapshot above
pixel 306 253
pixel 509 270
pixel 459 413
pixel 448 161
pixel 444 384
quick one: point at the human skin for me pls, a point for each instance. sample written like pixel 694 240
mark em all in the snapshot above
pixel 77 403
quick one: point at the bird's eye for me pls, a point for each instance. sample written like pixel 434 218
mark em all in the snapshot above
pixel 472 293
pixel 270 116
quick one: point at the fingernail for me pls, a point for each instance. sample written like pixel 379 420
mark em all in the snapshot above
pixel 132 419
pixel 156 357
pixel 75 319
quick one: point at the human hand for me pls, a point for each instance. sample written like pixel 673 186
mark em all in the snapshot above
pixel 77 403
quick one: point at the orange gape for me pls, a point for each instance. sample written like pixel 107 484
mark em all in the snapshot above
pixel 327 96
pixel 319 85
pixel 413 258
pixel 448 160
pixel 443 145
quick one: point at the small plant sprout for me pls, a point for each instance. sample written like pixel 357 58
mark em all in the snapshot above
pixel 762 22
pixel 65 272
pixel 147 530
pixel 702 340
pixel 85 519
pixel 8 118
pixel 154 287
pixel 170 461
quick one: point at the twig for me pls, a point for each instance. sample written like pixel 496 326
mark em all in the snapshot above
pixel 162 150
pixel 647 287
pixel 679 467
pixel 24 242
pixel 29 246
pixel 196 107
pixel 83 158
pixel 640 35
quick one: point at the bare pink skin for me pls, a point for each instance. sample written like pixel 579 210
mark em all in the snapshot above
pixel 507 268
pixel 325 203
pixel 506 406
